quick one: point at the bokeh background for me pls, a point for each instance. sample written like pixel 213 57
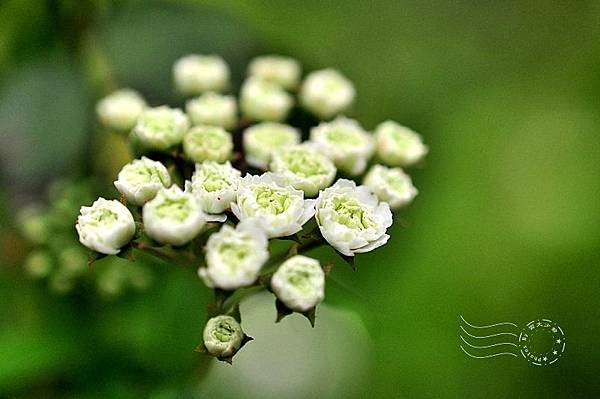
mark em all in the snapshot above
pixel 506 226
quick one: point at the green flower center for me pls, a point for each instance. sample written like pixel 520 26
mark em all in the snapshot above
pixel 142 174
pixel 210 138
pixel 273 200
pixel 174 208
pixel 303 163
pixel 395 181
pixel 350 213
pixel 214 181
pixel 234 253
pixel 344 137
pixel 160 123
pixel 103 217
pixel 300 279
pixel 272 137
pixel 224 331
pixel 402 139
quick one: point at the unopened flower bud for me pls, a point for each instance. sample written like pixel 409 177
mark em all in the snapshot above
pixel 345 142
pixel 222 336
pixel 175 217
pixel 398 145
pixel 234 257
pixel 161 128
pixel 140 180
pixel 106 226
pixel 215 185
pixel 299 283
pixel 261 100
pixel 38 263
pixel 120 110
pixel 196 74
pixel 208 143
pixel 303 167
pixel 326 93
pixel 283 71
pixel 261 140
pixel 391 185
pixel 213 109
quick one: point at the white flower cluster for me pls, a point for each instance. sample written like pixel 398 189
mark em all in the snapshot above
pixel 288 183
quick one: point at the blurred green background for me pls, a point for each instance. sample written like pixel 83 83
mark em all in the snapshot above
pixel 506 226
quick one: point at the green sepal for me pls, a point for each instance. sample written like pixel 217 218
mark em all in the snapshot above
pixel 93 256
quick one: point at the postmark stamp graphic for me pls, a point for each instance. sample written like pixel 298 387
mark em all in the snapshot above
pixel 542 342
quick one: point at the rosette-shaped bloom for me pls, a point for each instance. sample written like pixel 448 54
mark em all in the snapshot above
pixel 283 71
pixel 351 218
pixel 391 185
pixel 213 109
pixel 345 142
pixel 262 139
pixel 279 209
pixel 261 100
pixel 326 93
pixel 299 283
pixel 208 143
pixel 303 167
pixel 160 128
pixel 222 336
pixel 106 226
pixel 398 145
pixel 195 74
pixel 120 110
pixel 175 217
pixel 140 180
pixel 215 185
pixel 234 257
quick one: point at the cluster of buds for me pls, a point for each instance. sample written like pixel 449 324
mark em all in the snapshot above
pixel 218 182
pixel 55 256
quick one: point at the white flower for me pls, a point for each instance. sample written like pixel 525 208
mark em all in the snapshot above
pixel 284 71
pixel 105 226
pixel 120 110
pixel 299 283
pixel 140 180
pixel 222 336
pixel 195 74
pixel 161 128
pixel 213 109
pixel 280 210
pixel 345 142
pixel 326 93
pixel 234 257
pixel 215 185
pixel 175 217
pixel 262 139
pixel 391 185
pixel 303 167
pixel 208 143
pixel 351 218
pixel 264 101
pixel 398 145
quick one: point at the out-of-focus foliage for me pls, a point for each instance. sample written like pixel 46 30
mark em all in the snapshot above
pixel 505 229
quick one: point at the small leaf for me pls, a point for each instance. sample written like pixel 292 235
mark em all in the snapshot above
pixel 127 253
pixel 93 256
pixel 350 260
pixel 311 314
pixel 282 310
pixel 327 268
